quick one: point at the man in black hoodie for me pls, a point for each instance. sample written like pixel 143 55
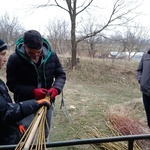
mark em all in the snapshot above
pixel 34 70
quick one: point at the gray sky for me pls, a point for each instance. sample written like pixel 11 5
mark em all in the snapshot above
pixel 30 20
pixel 40 18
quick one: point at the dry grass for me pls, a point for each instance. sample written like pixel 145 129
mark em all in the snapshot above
pixel 90 92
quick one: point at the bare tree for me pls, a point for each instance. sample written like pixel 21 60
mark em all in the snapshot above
pixel 92 41
pixel 58 35
pixel 10 29
pixel 134 40
pixel 120 12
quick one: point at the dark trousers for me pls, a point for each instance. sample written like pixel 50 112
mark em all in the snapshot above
pixel 146 102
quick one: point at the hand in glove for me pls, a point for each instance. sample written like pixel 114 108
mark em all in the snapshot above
pixel 44 102
pixel 53 92
pixel 22 129
pixel 39 93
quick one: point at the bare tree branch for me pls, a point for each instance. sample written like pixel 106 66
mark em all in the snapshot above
pixel 119 14
pixel 85 7
pixel 117 8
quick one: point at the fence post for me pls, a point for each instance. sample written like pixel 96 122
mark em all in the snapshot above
pixel 130 144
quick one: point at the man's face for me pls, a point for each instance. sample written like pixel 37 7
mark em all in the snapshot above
pixel 2 58
pixel 34 53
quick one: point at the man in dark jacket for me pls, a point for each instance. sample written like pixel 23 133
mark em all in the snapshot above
pixel 11 113
pixel 143 76
pixel 34 70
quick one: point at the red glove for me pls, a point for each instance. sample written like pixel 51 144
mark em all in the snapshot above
pixel 53 92
pixel 39 93
pixel 22 129
pixel 44 102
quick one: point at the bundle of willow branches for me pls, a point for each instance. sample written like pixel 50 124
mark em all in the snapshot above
pixel 34 136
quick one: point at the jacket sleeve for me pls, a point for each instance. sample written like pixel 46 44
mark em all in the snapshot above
pixel 60 75
pixel 13 78
pixel 139 70
pixel 12 112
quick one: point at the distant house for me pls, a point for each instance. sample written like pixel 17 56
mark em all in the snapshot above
pixel 135 56
pixel 117 55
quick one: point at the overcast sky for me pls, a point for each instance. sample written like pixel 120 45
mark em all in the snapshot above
pixel 40 18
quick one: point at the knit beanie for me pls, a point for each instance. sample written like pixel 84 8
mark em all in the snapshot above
pixel 32 39
pixel 3 45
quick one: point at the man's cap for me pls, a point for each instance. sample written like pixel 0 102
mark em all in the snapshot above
pixel 3 45
pixel 32 39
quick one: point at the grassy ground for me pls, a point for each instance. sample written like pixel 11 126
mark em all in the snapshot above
pixel 90 92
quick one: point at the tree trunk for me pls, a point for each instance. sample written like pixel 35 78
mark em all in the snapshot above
pixel 73 43
pixel 74 51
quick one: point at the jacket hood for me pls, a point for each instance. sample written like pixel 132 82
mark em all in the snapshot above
pixel 45 46
pixel 20 42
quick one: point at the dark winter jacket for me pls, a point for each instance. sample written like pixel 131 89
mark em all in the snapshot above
pixel 143 74
pixel 10 114
pixel 23 76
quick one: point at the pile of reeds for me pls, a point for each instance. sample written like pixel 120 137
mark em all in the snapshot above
pixel 119 125
pixel 95 133
pixel 124 125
